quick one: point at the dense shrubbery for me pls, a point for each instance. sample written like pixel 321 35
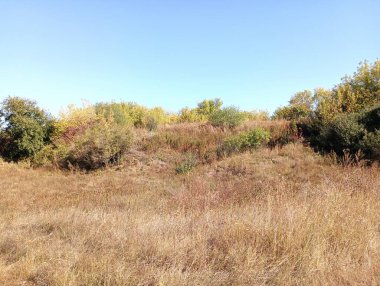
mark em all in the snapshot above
pixel 102 144
pixel 211 111
pixel 347 133
pixel 134 115
pixel 24 128
pixel 344 119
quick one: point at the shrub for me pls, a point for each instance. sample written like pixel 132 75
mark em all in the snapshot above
pixel 291 112
pixel 74 121
pixel 151 123
pixel 132 114
pixel 25 128
pixel 371 119
pixel 245 141
pixel 282 134
pixel 256 115
pixel 187 165
pixel 343 133
pixel 371 144
pixel 227 117
pixel 100 145
pixel 189 115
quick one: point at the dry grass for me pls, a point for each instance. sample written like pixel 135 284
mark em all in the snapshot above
pixel 202 140
pixel 272 217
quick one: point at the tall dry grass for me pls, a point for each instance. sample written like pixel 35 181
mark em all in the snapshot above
pixel 271 217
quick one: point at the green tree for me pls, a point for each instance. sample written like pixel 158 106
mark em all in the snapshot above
pixel 300 106
pixel 25 128
pixel 229 117
pixel 302 99
pixel 209 106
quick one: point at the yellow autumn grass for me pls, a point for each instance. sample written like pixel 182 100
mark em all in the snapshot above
pixel 271 217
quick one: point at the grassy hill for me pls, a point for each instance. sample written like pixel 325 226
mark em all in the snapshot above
pixel 270 216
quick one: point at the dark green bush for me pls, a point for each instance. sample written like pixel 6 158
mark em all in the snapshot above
pixel 371 119
pixel 24 128
pixel 346 133
pixel 371 145
pixel 227 117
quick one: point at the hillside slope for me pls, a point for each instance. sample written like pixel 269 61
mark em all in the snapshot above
pixel 275 217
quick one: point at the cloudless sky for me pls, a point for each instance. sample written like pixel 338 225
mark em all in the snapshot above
pixel 251 54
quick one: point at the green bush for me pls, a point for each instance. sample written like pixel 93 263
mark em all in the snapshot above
pixel 371 119
pixel 347 132
pixel 100 145
pixel 245 141
pixel 230 117
pixel 24 128
pixel 344 132
pixel 291 112
pixel 187 165
pixel 151 123
pixel 371 145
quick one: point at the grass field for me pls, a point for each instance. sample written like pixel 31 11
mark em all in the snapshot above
pixel 282 216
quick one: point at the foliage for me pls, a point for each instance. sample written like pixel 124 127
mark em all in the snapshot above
pixel 132 114
pixel 371 119
pixel 244 141
pixel 371 144
pixel 282 134
pixel 188 115
pixel 25 128
pixel 74 120
pixel 256 115
pixel 187 165
pixel 347 132
pixel 229 117
pixel 209 106
pixel 344 132
pixel 291 112
pixel 300 106
pixel 102 144
pixel 202 113
pixel 353 94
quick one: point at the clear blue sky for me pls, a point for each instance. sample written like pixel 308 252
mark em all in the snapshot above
pixel 252 54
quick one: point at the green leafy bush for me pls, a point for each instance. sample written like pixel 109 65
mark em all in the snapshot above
pixel 347 132
pixel 344 132
pixel 245 141
pixel 230 117
pixel 24 128
pixel 100 145
pixel 187 165
pixel 291 112
pixel 132 114
pixel 371 119
pixel 371 145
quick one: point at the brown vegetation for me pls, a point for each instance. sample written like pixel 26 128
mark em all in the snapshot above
pixel 268 217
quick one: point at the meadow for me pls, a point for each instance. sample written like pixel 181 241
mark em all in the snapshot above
pixel 280 215
pixel 120 194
